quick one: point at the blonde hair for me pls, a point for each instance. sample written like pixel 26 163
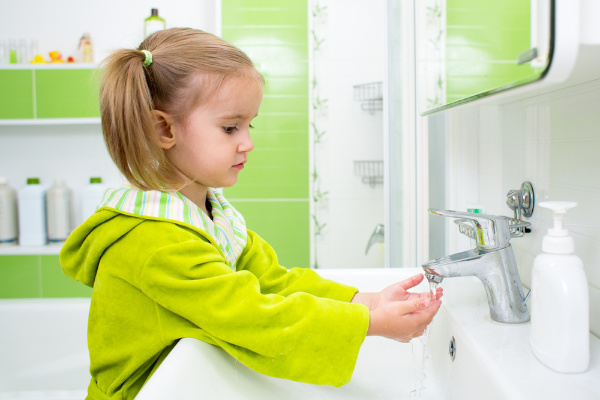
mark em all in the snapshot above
pixel 188 65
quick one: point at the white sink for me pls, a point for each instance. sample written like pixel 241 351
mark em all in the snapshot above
pixel 492 360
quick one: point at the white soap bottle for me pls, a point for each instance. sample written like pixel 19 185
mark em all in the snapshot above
pixel 32 214
pixel 91 196
pixel 58 212
pixel 560 325
pixel 8 214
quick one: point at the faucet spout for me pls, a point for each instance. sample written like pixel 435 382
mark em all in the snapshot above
pixel 447 267
pixel 376 237
pixel 492 261
pixel 498 272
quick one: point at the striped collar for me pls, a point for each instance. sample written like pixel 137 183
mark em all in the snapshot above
pixel 227 228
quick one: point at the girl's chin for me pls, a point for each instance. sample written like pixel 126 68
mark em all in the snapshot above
pixel 226 184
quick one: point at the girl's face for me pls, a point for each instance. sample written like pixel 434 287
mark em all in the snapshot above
pixel 212 145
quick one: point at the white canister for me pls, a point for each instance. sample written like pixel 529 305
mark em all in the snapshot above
pixel 8 214
pixel 32 214
pixel 91 196
pixel 58 212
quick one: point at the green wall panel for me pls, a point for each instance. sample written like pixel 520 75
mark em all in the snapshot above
pixel 235 5
pixel 272 191
pixel 263 35
pixel 285 85
pixel 281 122
pixel 37 276
pixel 56 284
pixel 284 225
pixel 260 16
pixel 16 94
pixel 284 103
pixel 66 93
pixel 20 277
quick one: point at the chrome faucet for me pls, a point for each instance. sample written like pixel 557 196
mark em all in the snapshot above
pixel 492 261
pixel 376 237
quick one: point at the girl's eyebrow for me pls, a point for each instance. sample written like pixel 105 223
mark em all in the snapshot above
pixel 235 116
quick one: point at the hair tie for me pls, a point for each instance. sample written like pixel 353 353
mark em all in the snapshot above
pixel 148 59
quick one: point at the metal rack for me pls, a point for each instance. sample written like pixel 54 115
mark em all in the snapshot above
pixel 371 171
pixel 370 95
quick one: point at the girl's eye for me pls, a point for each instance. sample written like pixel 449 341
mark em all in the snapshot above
pixel 229 129
pixel 250 126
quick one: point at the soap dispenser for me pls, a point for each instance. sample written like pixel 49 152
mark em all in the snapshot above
pixel 560 336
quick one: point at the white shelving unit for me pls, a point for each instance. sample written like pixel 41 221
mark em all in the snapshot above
pixel 49 121
pixel 30 250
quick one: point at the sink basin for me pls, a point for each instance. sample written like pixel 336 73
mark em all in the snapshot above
pixel 491 360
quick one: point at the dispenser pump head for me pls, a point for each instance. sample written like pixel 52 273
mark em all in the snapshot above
pixel 558 241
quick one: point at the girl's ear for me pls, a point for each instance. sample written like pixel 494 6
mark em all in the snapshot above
pixel 165 129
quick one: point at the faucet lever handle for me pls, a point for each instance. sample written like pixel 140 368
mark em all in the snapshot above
pixel 491 232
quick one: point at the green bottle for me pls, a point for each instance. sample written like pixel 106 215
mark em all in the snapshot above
pixel 153 23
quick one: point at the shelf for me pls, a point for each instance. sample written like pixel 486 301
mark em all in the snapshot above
pixel 48 66
pixel 30 250
pixel 50 121
pixel 370 95
pixel 370 171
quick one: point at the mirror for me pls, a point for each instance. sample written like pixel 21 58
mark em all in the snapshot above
pixel 468 49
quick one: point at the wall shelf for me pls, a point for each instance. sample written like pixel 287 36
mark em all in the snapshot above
pixel 30 250
pixel 49 121
pixel 48 66
pixel 370 171
pixel 370 95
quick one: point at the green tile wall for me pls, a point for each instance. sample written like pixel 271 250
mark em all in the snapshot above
pixel 273 191
pixel 16 94
pixel 37 276
pixel 274 218
pixel 483 39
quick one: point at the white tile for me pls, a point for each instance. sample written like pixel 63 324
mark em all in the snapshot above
pixel 582 220
pixel 589 252
pixel 575 163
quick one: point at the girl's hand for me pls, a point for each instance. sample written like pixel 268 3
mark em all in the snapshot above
pixel 403 320
pixel 398 314
pixel 399 292
pixel 396 292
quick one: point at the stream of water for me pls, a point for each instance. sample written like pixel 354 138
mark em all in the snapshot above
pixel 421 355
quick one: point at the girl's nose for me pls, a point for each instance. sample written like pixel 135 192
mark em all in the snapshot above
pixel 247 145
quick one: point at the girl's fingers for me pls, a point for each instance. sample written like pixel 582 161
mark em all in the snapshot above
pixel 411 282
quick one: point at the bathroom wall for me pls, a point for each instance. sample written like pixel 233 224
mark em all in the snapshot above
pixel 352 37
pixel 73 152
pixel 552 140
pixel 272 192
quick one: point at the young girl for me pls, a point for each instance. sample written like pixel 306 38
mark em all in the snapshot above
pixel 169 257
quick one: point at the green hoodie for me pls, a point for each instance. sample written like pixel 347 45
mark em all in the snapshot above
pixel 157 280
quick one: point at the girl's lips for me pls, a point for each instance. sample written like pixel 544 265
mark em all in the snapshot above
pixel 239 166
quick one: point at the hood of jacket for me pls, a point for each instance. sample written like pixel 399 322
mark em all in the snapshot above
pixel 83 249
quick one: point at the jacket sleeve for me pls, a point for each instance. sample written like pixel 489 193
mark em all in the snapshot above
pixel 260 259
pixel 292 335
